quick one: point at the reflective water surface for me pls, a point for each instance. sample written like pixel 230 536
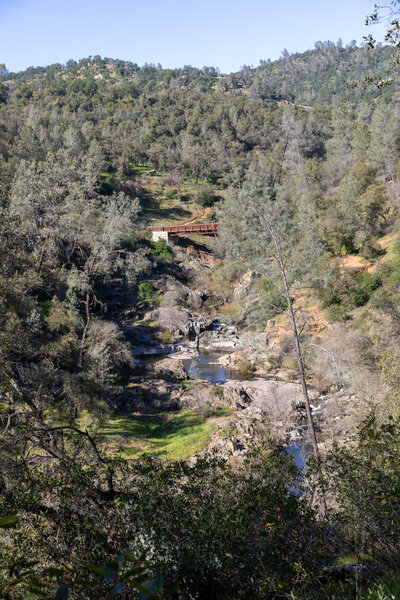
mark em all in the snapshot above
pixel 206 366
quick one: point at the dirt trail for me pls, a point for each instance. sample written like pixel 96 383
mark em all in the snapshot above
pixel 356 262
pixel 202 216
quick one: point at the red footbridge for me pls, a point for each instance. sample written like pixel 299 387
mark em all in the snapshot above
pixel 198 229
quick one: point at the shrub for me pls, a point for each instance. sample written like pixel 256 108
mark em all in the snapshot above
pixel 365 284
pixel 369 281
pixel 335 312
pixel 165 337
pixel 161 249
pixel 120 381
pixel 231 310
pixel 370 249
pixel 206 198
pixel 396 250
pixel 321 382
pixel 45 307
pixel 245 367
pixel 275 361
pixel 364 478
pixel 171 193
pixel 289 362
pixel 347 292
pixel 358 297
pixel 269 307
pixel 108 353
pixel 146 293
pixel 212 178
pixel 63 325
pixel 219 532
pixel 228 533
pixel 336 290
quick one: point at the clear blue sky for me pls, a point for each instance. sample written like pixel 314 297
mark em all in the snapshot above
pixel 221 33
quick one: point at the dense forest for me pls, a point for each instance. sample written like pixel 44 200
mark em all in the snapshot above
pixel 300 166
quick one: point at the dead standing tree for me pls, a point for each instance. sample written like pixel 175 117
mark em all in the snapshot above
pixel 296 338
pixel 260 229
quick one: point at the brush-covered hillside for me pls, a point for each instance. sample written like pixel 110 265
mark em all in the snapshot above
pixel 123 471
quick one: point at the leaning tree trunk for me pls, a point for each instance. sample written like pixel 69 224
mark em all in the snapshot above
pixel 299 357
pixel 85 329
pixel 296 337
pixel 300 364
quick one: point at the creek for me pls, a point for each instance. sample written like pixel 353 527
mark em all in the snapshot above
pixel 208 367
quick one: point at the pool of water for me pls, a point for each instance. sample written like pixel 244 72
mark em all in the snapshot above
pixel 298 452
pixel 206 366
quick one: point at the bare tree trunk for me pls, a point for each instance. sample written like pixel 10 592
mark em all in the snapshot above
pixel 85 329
pixel 299 356
pixel 41 259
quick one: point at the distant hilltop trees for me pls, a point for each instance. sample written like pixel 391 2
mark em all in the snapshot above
pixel 322 75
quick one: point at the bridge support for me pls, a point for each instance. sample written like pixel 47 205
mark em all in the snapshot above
pixel 160 236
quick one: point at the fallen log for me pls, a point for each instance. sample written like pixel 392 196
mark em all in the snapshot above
pixel 346 569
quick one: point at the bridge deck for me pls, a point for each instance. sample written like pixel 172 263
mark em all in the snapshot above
pixel 200 229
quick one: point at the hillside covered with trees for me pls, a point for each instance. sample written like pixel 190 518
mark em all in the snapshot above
pixel 301 169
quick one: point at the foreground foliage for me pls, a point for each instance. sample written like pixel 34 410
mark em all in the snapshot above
pixel 215 531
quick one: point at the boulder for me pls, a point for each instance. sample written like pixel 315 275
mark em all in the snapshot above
pixel 195 299
pixel 281 402
pixel 168 369
pixel 243 287
pixel 173 318
pixel 223 339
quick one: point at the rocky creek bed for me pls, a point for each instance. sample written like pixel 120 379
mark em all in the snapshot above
pixel 257 402
pixel 181 351
pixel 258 408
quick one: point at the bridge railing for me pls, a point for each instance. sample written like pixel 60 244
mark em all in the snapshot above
pixel 201 228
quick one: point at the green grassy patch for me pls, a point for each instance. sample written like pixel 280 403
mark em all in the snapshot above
pixel 137 321
pixel 223 411
pixel 173 436
pixel 353 559
pixel 168 205
pixel 169 211
pixel 140 169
